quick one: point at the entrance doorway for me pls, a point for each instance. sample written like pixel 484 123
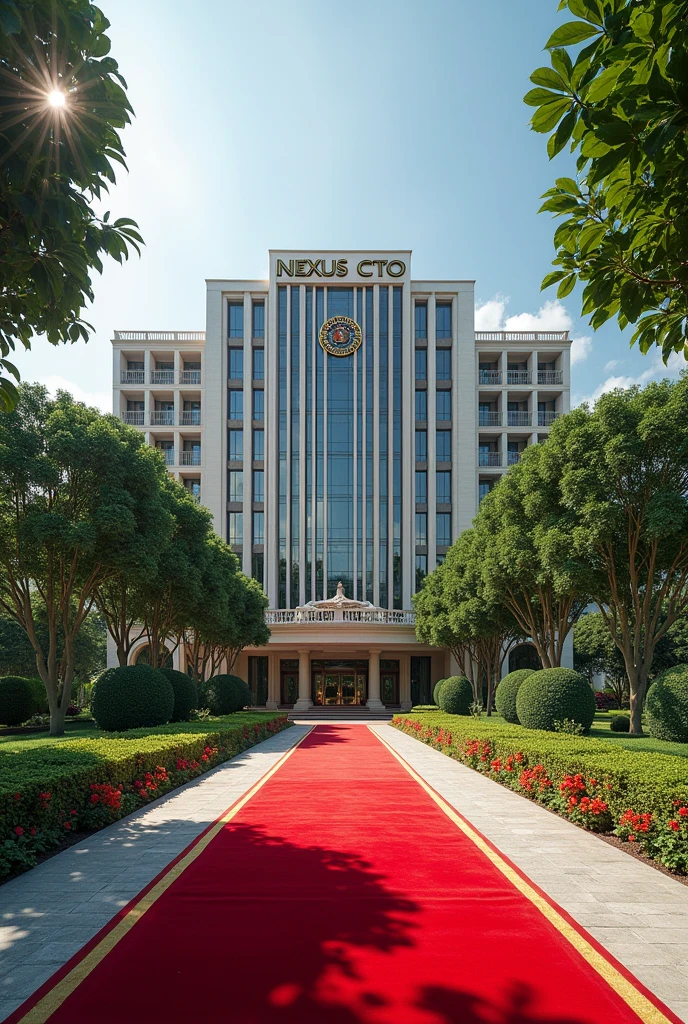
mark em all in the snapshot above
pixel 339 682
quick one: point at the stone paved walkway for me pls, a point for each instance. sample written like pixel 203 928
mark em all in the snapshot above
pixel 49 913
pixel 639 914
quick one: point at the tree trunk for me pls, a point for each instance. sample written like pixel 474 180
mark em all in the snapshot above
pixel 122 656
pixel 637 682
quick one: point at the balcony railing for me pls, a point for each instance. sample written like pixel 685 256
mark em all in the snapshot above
pixel 519 377
pixel 133 416
pixel 490 377
pixel 132 377
pixel 168 455
pixel 159 335
pixel 546 419
pixel 191 417
pixel 280 616
pixel 550 377
pixel 163 418
pixel 520 335
pixel 518 418
pixel 512 458
pixel 162 377
pixel 190 377
pixel 489 458
pixel 489 419
pixel 190 458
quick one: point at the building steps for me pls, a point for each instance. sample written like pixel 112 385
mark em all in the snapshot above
pixel 338 713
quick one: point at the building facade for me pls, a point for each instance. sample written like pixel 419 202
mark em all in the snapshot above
pixel 341 421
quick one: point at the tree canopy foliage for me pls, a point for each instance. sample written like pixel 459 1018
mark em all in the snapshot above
pixel 57 163
pixel 621 101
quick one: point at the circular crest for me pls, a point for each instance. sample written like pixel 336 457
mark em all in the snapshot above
pixel 340 336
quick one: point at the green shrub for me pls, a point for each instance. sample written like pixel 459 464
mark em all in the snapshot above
pixel 436 691
pixel 507 690
pixel 131 698
pixel 621 723
pixel 226 694
pixel 667 705
pixel 553 695
pixel 17 700
pixel 456 696
pixel 39 695
pixel 185 694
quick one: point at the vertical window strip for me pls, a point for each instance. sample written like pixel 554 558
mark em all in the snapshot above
pixel 282 427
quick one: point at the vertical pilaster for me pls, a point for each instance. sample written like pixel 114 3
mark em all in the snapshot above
pixel 304 702
pixel 248 436
pixel 374 701
pixel 376 446
pixel 303 587
pixel 431 526
pixel 407 448
pixel 464 414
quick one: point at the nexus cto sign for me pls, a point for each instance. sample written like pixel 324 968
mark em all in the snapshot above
pixel 339 268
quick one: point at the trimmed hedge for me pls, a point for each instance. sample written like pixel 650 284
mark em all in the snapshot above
pixel 437 690
pixel 17 700
pixel 507 691
pixel 185 694
pixel 51 789
pixel 554 695
pixel 131 698
pixel 39 695
pixel 456 696
pixel 620 723
pixel 666 705
pixel 226 694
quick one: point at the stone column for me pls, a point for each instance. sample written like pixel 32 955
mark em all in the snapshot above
pixel 272 703
pixel 405 682
pixel 304 702
pixel 374 702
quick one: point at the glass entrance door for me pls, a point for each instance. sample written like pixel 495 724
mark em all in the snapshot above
pixel 339 683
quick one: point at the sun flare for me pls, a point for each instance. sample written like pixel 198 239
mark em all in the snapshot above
pixel 56 98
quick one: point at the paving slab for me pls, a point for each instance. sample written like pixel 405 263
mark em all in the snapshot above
pixel 639 914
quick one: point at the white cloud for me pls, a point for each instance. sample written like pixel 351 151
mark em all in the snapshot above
pixel 100 399
pixel 656 370
pixel 580 349
pixel 490 315
pixel 552 316
pixel 611 365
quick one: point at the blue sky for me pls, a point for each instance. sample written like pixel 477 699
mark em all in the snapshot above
pixel 314 124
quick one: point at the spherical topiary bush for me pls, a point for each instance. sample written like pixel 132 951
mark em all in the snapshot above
pixel 507 690
pixel 436 692
pixel 17 700
pixel 226 694
pixel 185 695
pixel 131 697
pixel 621 723
pixel 667 705
pixel 39 695
pixel 456 696
pixel 555 695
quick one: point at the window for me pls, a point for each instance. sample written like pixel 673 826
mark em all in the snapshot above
pixel 258 319
pixel 484 488
pixel 258 528
pixel 421 364
pixel 193 485
pixel 421 315
pixel 443 479
pixel 421 529
pixel 236 364
pixel 134 364
pixel 443 405
pixel 257 567
pixel 443 320
pixel 421 487
pixel 443 529
pixel 236 405
pixel 421 405
pixel 421 446
pixel 235 529
pixel 258 364
pixel 236 319
pixel 421 570
pixel 236 445
pixel 258 404
pixel 258 445
pixel 258 485
pixel 236 485
pixel 444 445
pixel 440 558
pixel 443 362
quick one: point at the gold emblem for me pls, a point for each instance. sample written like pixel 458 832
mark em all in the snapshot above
pixel 340 336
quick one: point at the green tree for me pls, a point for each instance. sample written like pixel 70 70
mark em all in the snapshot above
pixel 595 652
pixel 622 103
pixel 70 481
pixel 622 469
pixel 62 106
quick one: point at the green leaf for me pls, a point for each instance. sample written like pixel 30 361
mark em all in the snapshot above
pixel 568 185
pixel 536 97
pixel 545 118
pixel 562 63
pixel 641 24
pixel 552 278
pixel 603 84
pixel 571 33
pixel 549 78
pixel 562 135
pixel 589 10
pixel 566 286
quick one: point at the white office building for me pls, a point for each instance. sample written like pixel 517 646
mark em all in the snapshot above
pixel 341 421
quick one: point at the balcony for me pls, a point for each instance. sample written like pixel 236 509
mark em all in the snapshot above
pixel 490 377
pixel 168 455
pixel 376 616
pixel 519 377
pixel 159 335
pixel 518 418
pixel 190 377
pixel 503 336
pixel 489 458
pixel 132 377
pixel 190 458
pixel 162 377
pixel 489 419
pixel 547 418
pixel 549 377
pixel 163 418
pixel 512 458
pixel 133 416
pixel 191 417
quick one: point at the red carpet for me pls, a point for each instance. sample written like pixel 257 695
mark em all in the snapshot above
pixel 342 893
